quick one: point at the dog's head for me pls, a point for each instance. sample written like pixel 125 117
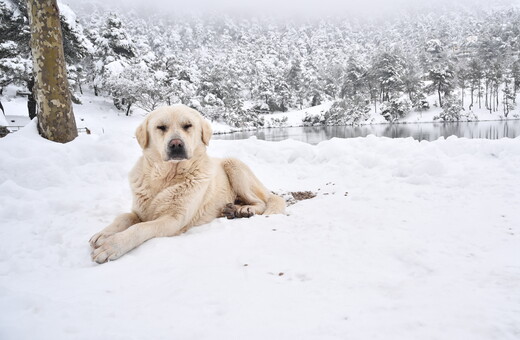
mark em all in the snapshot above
pixel 174 133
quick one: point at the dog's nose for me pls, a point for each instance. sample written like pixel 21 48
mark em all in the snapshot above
pixel 176 143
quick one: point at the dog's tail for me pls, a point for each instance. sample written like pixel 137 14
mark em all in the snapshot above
pixel 274 205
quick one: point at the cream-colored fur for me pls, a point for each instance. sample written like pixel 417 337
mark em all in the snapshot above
pixel 172 195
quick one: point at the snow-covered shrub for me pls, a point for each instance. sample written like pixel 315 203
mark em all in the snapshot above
pixel 348 111
pixel 316 99
pixel 195 104
pixel 3 131
pixel 451 110
pixel 469 116
pixel 250 119
pixel 260 106
pixel 395 108
pixel 313 120
pixel 277 122
pixel 422 105
pixel 211 99
pixel 419 103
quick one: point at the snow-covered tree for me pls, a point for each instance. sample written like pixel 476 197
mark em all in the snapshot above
pixel 113 50
pixel 443 80
pixel 388 70
pixel 353 78
pixel 15 58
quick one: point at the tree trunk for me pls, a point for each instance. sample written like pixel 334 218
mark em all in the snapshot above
pixel 486 102
pixel 128 108
pixel 439 92
pixel 497 104
pixel 1 107
pixel 463 90
pixel 505 104
pixel 31 101
pixel 55 116
pixel 479 93
pixel 472 90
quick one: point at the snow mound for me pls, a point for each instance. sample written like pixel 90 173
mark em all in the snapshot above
pixel 405 240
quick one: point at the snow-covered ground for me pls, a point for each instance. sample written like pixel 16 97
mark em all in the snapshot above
pixel 294 118
pixel 99 114
pixel 405 240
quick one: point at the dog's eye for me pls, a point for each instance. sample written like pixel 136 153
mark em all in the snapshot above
pixel 186 126
pixel 162 127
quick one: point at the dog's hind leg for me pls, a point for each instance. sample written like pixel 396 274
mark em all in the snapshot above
pixel 275 205
pixel 252 198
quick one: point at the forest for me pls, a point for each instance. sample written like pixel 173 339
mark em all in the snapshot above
pixel 235 69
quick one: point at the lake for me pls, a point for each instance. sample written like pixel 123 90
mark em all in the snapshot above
pixel 418 131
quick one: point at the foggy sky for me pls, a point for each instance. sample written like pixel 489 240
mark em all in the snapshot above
pixel 302 8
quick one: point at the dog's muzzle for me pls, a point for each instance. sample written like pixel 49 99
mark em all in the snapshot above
pixel 176 150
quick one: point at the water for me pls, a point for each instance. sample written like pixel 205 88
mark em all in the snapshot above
pixel 418 131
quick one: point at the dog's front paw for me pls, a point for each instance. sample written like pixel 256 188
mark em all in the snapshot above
pixel 98 239
pixel 112 248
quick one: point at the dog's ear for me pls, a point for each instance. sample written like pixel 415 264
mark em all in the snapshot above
pixel 142 134
pixel 207 132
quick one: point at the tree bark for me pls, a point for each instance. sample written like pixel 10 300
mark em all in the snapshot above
pixel 55 116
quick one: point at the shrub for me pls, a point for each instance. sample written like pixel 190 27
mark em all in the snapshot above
pixel 395 109
pixel 451 110
pixel 313 120
pixel 348 112
pixel 277 122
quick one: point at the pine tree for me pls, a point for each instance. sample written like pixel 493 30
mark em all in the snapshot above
pixel 353 78
pixel 388 69
pixel 475 75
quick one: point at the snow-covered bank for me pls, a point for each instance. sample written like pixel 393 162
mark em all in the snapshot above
pixel 99 115
pixel 295 118
pixel 405 240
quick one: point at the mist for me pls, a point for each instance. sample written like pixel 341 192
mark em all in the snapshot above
pixel 368 9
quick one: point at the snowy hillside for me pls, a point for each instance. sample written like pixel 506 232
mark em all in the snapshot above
pixel 405 240
pixel 224 65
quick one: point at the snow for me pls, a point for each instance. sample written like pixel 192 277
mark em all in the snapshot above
pixel 11 6
pixel 295 117
pixel 405 240
pixel 3 120
pixel 68 14
pixel 115 67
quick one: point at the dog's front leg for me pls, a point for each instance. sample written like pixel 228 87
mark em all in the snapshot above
pixel 121 222
pixel 113 247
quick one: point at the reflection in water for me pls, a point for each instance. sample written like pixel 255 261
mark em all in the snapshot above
pixel 418 131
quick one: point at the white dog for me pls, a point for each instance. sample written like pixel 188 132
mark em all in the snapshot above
pixel 176 185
